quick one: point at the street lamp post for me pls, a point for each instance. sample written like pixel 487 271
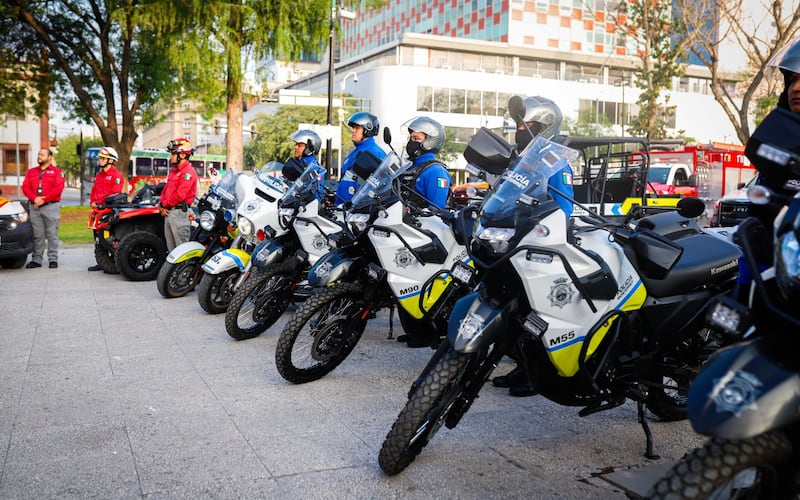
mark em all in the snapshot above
pixel 331 38
pixel 342 87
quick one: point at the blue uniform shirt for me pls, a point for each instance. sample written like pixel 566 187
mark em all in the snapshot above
pixel 434 182
pixel 347 184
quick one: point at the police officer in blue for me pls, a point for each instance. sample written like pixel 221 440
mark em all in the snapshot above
pixel 430 180
pixel 364 159
pixel 307 144
pixel 542 119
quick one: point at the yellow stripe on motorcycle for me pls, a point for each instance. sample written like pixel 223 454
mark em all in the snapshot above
pixel 665 201
pixel 410 302
pixel 565 356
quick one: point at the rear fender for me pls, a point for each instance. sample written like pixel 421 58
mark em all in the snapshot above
pixel 185 251
pixel 475 323
pixel 742 391
pixel 226 260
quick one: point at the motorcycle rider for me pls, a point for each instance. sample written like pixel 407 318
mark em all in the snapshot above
pixel 107 182
pixel 542 119
pixel 427 183
pixel 428 177
pixel 361 161
pixel 307 144
pixel 785 183
pixel 178 194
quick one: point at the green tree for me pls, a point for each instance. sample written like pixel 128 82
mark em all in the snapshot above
pixel 217 34
pixel 272 142
pixel 589 122
pixel 66 156
pixel 102 68
pixel 658 34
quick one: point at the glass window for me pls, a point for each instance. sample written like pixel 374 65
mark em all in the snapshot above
pixel 424 99
pixel 473 102
pixel 457 101
pixel 143 166
pixel 160 166
pixel 441 100
pixel 199 167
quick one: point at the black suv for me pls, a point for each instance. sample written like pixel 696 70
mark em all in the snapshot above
pixel 16 233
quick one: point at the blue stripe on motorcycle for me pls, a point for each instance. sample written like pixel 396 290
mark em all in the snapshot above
pixel 235 258
pixel 566 344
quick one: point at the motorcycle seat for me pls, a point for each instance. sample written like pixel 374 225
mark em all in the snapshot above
pixel 705 260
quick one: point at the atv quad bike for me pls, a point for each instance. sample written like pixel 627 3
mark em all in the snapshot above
pixel 129 235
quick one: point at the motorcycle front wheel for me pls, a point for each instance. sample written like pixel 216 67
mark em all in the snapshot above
pixel 321 334
pixel 426 410
pixel 757 467
pixel 215 291
pixel 259 302
pixel 178 279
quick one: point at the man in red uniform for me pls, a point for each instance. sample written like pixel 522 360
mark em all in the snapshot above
pixel 107 182
pixel 179 193
pixel 43 186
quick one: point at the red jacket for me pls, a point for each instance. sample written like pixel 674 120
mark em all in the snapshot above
pixel 50 179
pixel 181 186
pixel 106 184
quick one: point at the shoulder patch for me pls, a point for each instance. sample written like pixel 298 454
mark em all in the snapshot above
pixel 187 176
pixel 566 177
pixel 441 182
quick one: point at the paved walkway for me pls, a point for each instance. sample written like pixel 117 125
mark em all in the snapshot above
pixel 109 390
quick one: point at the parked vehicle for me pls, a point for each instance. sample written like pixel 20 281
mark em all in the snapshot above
pixel 746 397
pixel 213 232
pixel 603 311
pixel 16 233
pixel 732 208
pixel 279 265
pixel 404 255
pixel 129 235
pixel 257 220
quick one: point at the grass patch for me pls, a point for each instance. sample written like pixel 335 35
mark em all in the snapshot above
pixel 72 227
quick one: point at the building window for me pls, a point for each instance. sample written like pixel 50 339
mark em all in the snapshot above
pixel 10 159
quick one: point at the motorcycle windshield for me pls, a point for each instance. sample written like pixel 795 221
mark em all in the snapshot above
pixel 526 180
pixel 268 176
pixel 306 187
pixel 225 190
pixel 378 187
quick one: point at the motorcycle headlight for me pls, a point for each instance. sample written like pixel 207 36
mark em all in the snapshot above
pixel 497 237
pixel 246 226
pixel 286 215
pixel 787 259
pixel 358 222
pixel 207 220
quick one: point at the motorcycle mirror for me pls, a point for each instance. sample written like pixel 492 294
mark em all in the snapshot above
pixel 516 109
pixel 387 135
pixel 691 207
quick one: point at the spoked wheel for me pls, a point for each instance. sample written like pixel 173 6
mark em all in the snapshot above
pixel 425 412
pixel 667 395
pixel 757 467
pixel 259 302
pixel 215 291
pixel 178 279
pixel 105 259
pixel 140 255
pixel 321 334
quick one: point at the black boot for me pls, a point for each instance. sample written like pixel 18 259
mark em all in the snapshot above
pixel 96 267
pixel 510 379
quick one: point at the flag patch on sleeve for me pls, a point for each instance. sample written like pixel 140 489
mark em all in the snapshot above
pixel 566 178
pixel 441 182
pixel 187 176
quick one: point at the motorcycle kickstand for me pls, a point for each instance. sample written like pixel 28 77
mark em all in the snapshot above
pixel 648 434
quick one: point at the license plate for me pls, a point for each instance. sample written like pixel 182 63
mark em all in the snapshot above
pixel 106 235
pixel 462 272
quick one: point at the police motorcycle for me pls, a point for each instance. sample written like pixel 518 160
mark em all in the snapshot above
pixel 403 256
pixel 256 221
pixel 746 397
pixel 600 311
pixel 213 232
pixel 279 265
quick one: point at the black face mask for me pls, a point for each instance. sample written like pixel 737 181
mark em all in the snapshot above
pixel 414 149
pixel 522 138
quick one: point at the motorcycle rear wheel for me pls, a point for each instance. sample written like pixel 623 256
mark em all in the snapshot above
pixel 215 291
pixel 425 412
pixel 105 259
pixel 732 468
pixel 259 302
pixel 321 334
pixel 178 279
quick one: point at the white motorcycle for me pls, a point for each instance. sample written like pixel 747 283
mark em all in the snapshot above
pixel 279 265
pixel 257 220
pixel 402 256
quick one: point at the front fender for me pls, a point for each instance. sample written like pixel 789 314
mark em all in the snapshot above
pixel 270 252
pixel 742 391
pixel 475 323
pixel 185 251
pixel 226 260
